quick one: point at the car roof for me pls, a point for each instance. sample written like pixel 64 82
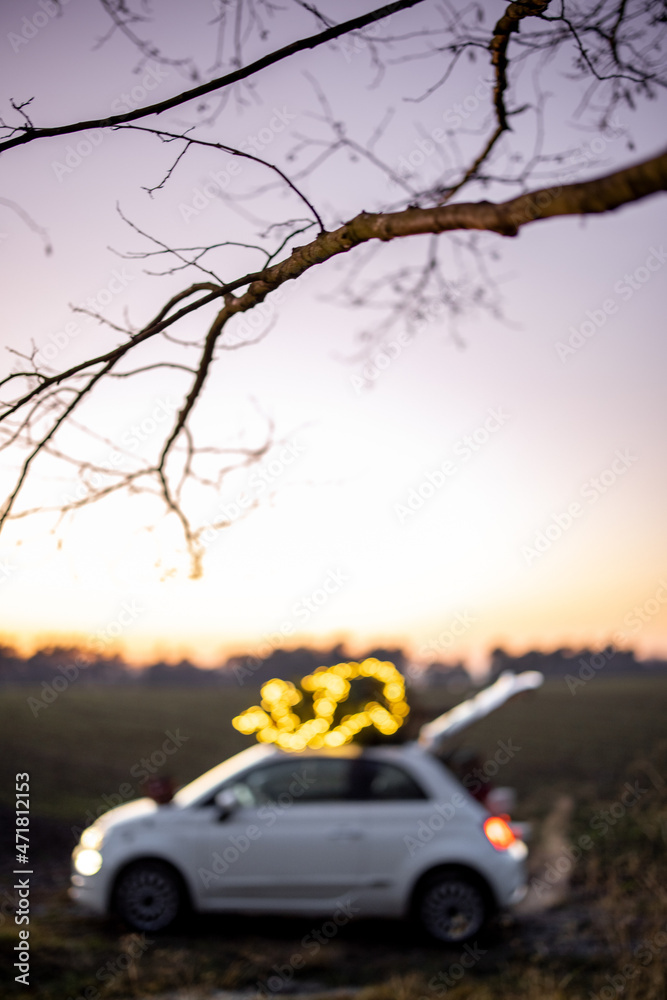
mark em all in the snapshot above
pixel 202 786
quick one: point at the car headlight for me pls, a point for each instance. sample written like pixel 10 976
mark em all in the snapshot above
pixel 88 862
pixel 92 838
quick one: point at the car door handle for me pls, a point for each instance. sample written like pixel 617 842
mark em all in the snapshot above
pixel 346 833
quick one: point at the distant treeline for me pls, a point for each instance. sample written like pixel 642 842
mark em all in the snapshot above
pixel 609 661
pixel 293 664
pixel 98 669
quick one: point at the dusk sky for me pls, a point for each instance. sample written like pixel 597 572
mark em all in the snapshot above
pixel 500 483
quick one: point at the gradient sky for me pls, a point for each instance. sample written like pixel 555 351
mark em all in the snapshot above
pixel 524 432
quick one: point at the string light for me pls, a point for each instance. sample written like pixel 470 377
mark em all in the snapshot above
pixel 276 722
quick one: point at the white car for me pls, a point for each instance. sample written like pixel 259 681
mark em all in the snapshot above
pixel 384 831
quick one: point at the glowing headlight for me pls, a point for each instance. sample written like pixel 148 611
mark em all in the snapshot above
pixel 92 838
pixel 88 862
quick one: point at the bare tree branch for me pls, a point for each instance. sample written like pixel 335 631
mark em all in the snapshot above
pixel 28 133
pixel 613 47
pixel 30 223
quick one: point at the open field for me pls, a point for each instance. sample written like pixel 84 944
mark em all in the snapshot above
pixel 604 934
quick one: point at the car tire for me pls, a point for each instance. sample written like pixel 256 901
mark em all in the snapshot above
pixel 149 896
pixel 451 907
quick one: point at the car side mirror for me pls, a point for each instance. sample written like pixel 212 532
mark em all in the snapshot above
pixel 226 801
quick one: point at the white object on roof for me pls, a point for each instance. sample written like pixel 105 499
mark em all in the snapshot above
pixel 434 734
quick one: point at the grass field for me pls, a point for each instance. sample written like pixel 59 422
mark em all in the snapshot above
pixel 88 742
pixel 91 746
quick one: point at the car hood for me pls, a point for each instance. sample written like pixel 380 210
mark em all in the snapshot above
pixel 435 735
pixel 139 809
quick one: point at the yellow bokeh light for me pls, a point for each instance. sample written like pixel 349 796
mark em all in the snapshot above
pixel 274 722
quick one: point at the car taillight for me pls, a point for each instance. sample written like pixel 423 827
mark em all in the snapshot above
pixel 498 832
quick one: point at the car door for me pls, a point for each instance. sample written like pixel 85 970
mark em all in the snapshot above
pixel 297 836
pixel 395 809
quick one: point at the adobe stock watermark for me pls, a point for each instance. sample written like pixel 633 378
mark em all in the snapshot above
pixel 76 152
pixel 464 449
pixel 262 478
pixel 355 43
pixel 346 910
pixel 426 830
pixel 239 844
pixel 382 359
pixel 79 150
pixel 137 434
pixel 143 769
pixel 473 781
pixel 264 475
pixel 589 668
pixel 59 341
pixel 126 616
pixel 255 321
pixel 7 907
pixel 457 627
pixel 625 288
pixel 591 491
pixel 303 609
pixel 32 24
pixel 531 207
pixel 602 821
pixel 448 978
pixel 69 673
pixel 640 615
pixel 645 952
pixel 7 570
pixel 453 117
pixel 458 114
pixel 134 946
pixel 478 777
pixel 385 355
pixel 247 327
pixel 310 604
pixel 219 180
pixel 106 472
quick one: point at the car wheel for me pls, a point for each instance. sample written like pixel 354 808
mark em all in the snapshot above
pixel 149 896
pixel 451 907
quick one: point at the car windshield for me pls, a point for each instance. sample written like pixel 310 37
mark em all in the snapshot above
pixel 209 781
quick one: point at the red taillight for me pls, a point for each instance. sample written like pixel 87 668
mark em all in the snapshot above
pixel 499 833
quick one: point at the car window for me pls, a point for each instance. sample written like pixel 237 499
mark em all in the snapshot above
pixel 313 779
pixel 218 777
pixel 378 781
